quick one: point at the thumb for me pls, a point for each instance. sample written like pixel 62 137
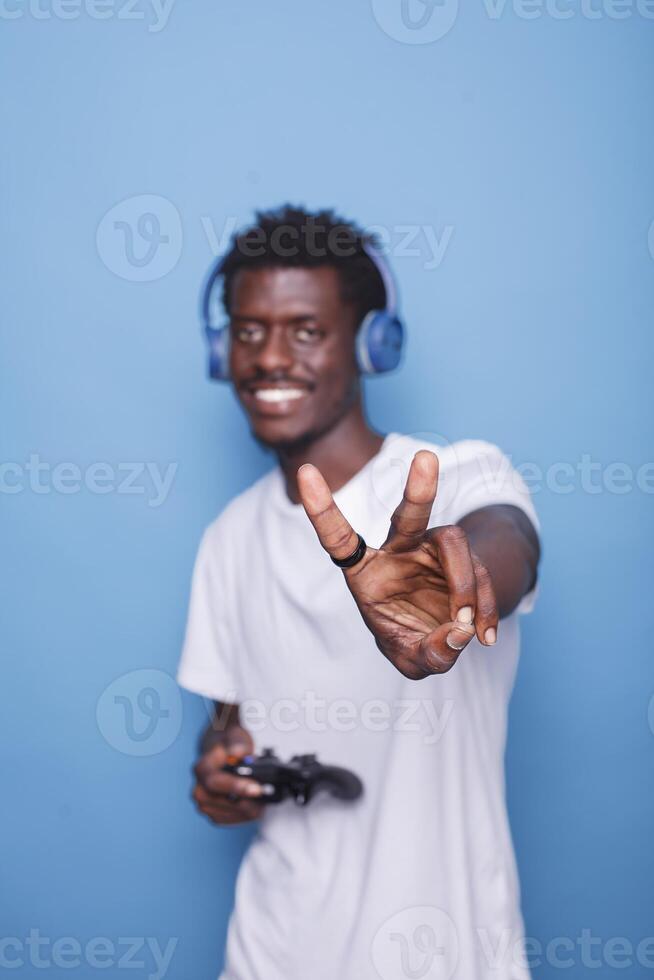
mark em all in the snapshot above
pixel 334 531
pixel 212 760
pixel 441 648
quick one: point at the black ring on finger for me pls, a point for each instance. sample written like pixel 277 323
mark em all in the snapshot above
pixel 354 558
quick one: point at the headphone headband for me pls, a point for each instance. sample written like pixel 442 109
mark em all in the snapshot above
pixel 383 268
pixel 208 295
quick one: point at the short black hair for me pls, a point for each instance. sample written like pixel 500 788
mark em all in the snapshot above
pixel 292 236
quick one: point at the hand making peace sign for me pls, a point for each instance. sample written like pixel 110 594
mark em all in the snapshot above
pixel 424 594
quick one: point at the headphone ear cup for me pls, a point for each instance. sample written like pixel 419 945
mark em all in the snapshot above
pixel 379 342
pixel 218 338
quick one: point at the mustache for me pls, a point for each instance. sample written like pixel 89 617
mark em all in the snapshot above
pixel 275 378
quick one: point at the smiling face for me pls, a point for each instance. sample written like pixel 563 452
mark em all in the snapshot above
pixel 292 354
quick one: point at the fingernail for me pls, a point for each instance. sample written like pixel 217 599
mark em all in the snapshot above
pixel 253 789
pixel 454 641
pixel 490 636
pixel 464 615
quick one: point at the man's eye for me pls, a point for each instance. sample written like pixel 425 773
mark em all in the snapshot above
pixel 308 335
pixel 249 333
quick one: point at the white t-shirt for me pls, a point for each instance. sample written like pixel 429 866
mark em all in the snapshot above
pixel 417 878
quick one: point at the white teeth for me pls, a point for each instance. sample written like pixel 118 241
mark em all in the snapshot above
pixel 278 394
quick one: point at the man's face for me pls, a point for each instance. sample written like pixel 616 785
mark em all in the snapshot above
pixel 292 356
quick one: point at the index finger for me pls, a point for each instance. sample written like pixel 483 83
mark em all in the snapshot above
pixel 334 531
pixel 211 775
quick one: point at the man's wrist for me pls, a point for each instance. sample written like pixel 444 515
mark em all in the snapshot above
pixel 232 735
pixel 210 739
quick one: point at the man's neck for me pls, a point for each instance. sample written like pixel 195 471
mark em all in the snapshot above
pixel 339 454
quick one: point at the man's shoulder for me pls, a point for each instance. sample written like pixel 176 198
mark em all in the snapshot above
pixel 450 454
pixel 242 512
pixel 471 472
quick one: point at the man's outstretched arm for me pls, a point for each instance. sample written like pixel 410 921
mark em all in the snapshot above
pixel 506 542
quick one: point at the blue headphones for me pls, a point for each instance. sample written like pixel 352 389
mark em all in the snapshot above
pixel 379 339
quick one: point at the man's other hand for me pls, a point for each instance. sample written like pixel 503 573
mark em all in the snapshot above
pixel 222 797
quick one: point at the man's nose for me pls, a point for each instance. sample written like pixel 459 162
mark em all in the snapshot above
pixel 275 353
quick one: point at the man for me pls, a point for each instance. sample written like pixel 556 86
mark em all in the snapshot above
pixel 417 877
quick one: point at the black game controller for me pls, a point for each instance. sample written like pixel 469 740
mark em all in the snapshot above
pixel 300 778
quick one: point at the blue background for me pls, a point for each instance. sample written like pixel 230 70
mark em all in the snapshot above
pixel 531 140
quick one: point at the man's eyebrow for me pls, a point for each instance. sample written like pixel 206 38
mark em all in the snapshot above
pixel 245 316
pixel 297 318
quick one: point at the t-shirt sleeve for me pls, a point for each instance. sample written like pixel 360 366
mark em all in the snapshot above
pixel 207 664
pixel 484 475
